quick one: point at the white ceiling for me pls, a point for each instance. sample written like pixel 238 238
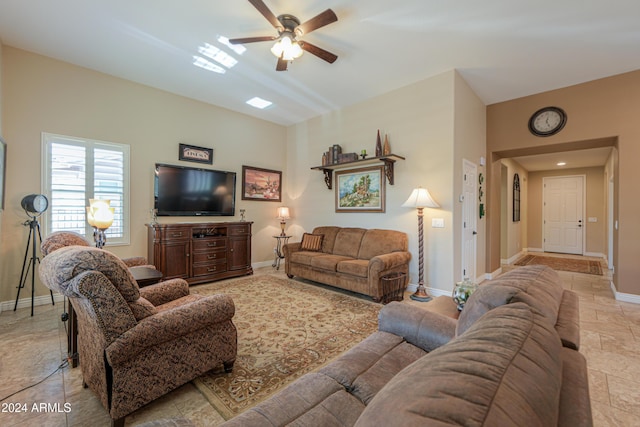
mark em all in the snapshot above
pixel 504 49
pixel 573 159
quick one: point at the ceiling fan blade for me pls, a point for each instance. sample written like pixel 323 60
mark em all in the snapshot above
pixel 282 64
pixel 319 52
pixel 264 10
pixel 252 39
pixel 325 18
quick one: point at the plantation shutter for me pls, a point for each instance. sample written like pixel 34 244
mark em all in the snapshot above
pixel 78 170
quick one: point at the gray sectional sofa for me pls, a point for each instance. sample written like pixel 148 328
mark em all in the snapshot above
pixel 510 359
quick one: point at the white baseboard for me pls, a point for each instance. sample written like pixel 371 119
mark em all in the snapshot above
pixel 514 258
pixel 26 302
pixel 535 250
pixel 632 298
pixel 596 254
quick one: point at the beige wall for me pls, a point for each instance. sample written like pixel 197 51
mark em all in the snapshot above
pixel 601 112
pixel 595 207
pixel 470 129
pixel 420 120
pixel 515 240
pixel 44 95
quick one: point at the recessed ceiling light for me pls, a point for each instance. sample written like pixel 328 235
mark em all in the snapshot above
pixel 259 102
pixel 561 163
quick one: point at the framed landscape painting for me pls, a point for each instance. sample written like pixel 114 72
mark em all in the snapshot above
pixel 360 190
pixel 261 184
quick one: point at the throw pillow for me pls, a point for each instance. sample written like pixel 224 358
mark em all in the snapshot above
pixel 311 242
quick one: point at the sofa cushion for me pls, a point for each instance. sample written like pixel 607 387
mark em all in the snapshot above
pixel 312 400
pixel 311 242
pixel 304 257
pixel 367 367
pixel 348 242
pixel 538 286
pixel 328 241
pixel 378 242
pixel 354 267
pixel 505 370
pixel 327 262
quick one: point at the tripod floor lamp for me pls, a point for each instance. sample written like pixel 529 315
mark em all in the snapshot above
pixel 420 199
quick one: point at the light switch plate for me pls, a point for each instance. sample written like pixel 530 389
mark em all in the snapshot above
pixel 593 219
pixel 437 222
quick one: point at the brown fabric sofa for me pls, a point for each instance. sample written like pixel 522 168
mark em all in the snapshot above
pixel 351 258
pixel 502 363
pixel 138 344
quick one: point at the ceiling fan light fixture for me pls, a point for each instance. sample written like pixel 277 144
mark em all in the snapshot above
pixel 287 49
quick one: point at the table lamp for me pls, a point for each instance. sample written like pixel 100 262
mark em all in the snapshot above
pixel 100 217
pixel 283 215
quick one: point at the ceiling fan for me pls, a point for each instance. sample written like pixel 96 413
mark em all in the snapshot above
pixel 288 46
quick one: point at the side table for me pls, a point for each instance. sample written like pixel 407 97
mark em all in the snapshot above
pixel 279 256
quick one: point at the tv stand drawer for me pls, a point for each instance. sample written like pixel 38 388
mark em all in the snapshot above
pixel 209 269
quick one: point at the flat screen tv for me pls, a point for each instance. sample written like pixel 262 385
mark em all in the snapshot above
pixel 185 191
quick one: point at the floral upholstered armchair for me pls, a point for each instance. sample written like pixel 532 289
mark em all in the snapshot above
pixel 138 344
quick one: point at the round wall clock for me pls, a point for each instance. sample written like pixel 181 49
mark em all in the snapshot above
pixel 547 121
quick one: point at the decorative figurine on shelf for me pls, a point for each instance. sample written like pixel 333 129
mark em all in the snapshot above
pixel 378 145
pixel 363 154
pixel 154 216
pixel 242 211
pixel 386 150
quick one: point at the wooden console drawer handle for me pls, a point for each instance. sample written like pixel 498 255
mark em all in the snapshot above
pixel 212 244
pixel 211 269
pixel 176 234
pixel 212 256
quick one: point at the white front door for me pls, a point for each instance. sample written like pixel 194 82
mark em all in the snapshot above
pixel 563 207
pixel 469 218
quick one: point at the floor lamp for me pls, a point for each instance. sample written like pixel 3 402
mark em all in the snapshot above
pixel 420 199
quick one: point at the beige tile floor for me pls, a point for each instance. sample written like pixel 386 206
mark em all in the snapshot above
pixel 33 347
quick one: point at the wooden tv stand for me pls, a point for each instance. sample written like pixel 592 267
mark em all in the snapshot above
pixel 201 252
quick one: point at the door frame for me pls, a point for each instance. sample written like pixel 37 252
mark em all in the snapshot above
pixel 466 165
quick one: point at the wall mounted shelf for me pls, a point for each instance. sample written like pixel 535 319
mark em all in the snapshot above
pixel 389 161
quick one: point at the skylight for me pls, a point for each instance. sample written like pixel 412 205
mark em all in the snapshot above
pixel 199 61
pixel 217 55
pixel 237 48
pixel 259 102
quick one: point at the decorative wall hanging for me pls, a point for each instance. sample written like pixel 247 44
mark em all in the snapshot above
pixel 480 194
pixel 516 198
pixel 261 184
pixel 360 190
pixel 191 153
pixel 3 173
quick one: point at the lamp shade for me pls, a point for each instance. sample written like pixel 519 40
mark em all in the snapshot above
pixel 283 213
pixel 100 213
pixel 420 198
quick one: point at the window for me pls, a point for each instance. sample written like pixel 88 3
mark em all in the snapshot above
pixel 76 170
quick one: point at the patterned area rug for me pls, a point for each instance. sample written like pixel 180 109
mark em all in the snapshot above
pixel 285 329
pixel 563 264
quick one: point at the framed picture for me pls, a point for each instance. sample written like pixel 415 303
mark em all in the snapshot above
pixel 191 153
pixel 360 190
pixel 261 184
pixel 3 171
